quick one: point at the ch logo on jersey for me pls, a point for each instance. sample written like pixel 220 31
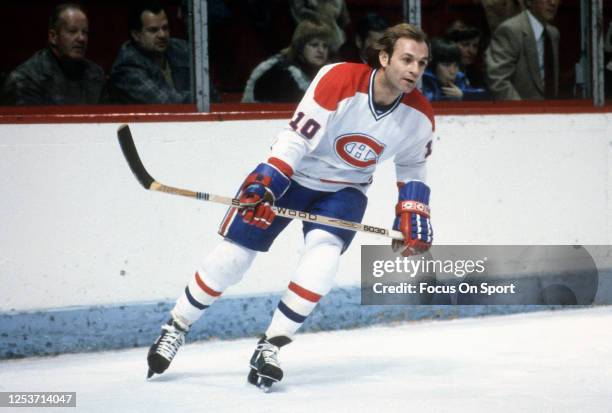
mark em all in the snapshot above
pixel 358 150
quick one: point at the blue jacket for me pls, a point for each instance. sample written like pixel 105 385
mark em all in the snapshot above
pixel 432 89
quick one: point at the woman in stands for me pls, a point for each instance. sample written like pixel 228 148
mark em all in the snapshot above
pixel 467 38
pixel 285 76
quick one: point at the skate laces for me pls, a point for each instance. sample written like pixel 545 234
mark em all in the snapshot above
pixel 269 353
pixel 170 341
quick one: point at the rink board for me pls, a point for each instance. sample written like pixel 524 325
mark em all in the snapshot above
pixel 124 326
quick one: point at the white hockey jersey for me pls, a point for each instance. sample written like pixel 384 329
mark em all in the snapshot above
pixel 336 138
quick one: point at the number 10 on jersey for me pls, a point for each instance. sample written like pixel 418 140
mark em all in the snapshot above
pixel 307 129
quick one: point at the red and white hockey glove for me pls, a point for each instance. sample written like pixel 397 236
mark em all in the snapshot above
pixel 260 190
pixel 412 219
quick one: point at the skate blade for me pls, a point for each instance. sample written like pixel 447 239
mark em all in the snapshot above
pixel 261 382
pixel 150 374
pixel 265 389
pixel 265 384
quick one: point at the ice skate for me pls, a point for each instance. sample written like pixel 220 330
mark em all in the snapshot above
pixel 265 368
pixel 166 346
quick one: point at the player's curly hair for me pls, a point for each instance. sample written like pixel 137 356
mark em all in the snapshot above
pixel 387 42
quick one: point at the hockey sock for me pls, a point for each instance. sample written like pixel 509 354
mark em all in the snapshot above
pixel 313 278
pixel 222 268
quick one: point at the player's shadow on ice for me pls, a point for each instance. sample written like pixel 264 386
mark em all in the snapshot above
pixel 177 376
pixel 350 370
pixel 212 377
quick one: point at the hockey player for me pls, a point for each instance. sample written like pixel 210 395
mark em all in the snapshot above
pixel 352 117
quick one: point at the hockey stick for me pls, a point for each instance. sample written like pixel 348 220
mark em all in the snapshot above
pixel 148 182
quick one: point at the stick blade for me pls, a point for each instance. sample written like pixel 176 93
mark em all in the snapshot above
pixel 131 156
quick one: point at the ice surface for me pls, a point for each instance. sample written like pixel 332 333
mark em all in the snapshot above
pixel 540 362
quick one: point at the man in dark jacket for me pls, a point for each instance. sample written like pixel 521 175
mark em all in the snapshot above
pixel 152 67
pixel 59 74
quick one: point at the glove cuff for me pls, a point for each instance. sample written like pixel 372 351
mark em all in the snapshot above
pixel 412 206
pixel 414 191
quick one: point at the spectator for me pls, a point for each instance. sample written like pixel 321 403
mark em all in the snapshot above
pixel 334 13
pixel 468 39
pixel 151 67
pixel 59 74
pixel 498 11
pixel 443 80
pixel 285 76
pixel 369 29
pixel 522 61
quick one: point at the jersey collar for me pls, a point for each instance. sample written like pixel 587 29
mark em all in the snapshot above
pixel 371 104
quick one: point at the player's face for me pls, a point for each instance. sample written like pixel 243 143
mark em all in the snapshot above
pixel 155 32
pixel 69 40
pixel 404 68
pixel 469 50
pixel 316 52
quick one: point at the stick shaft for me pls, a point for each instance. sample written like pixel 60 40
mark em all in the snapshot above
pixel 148 182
